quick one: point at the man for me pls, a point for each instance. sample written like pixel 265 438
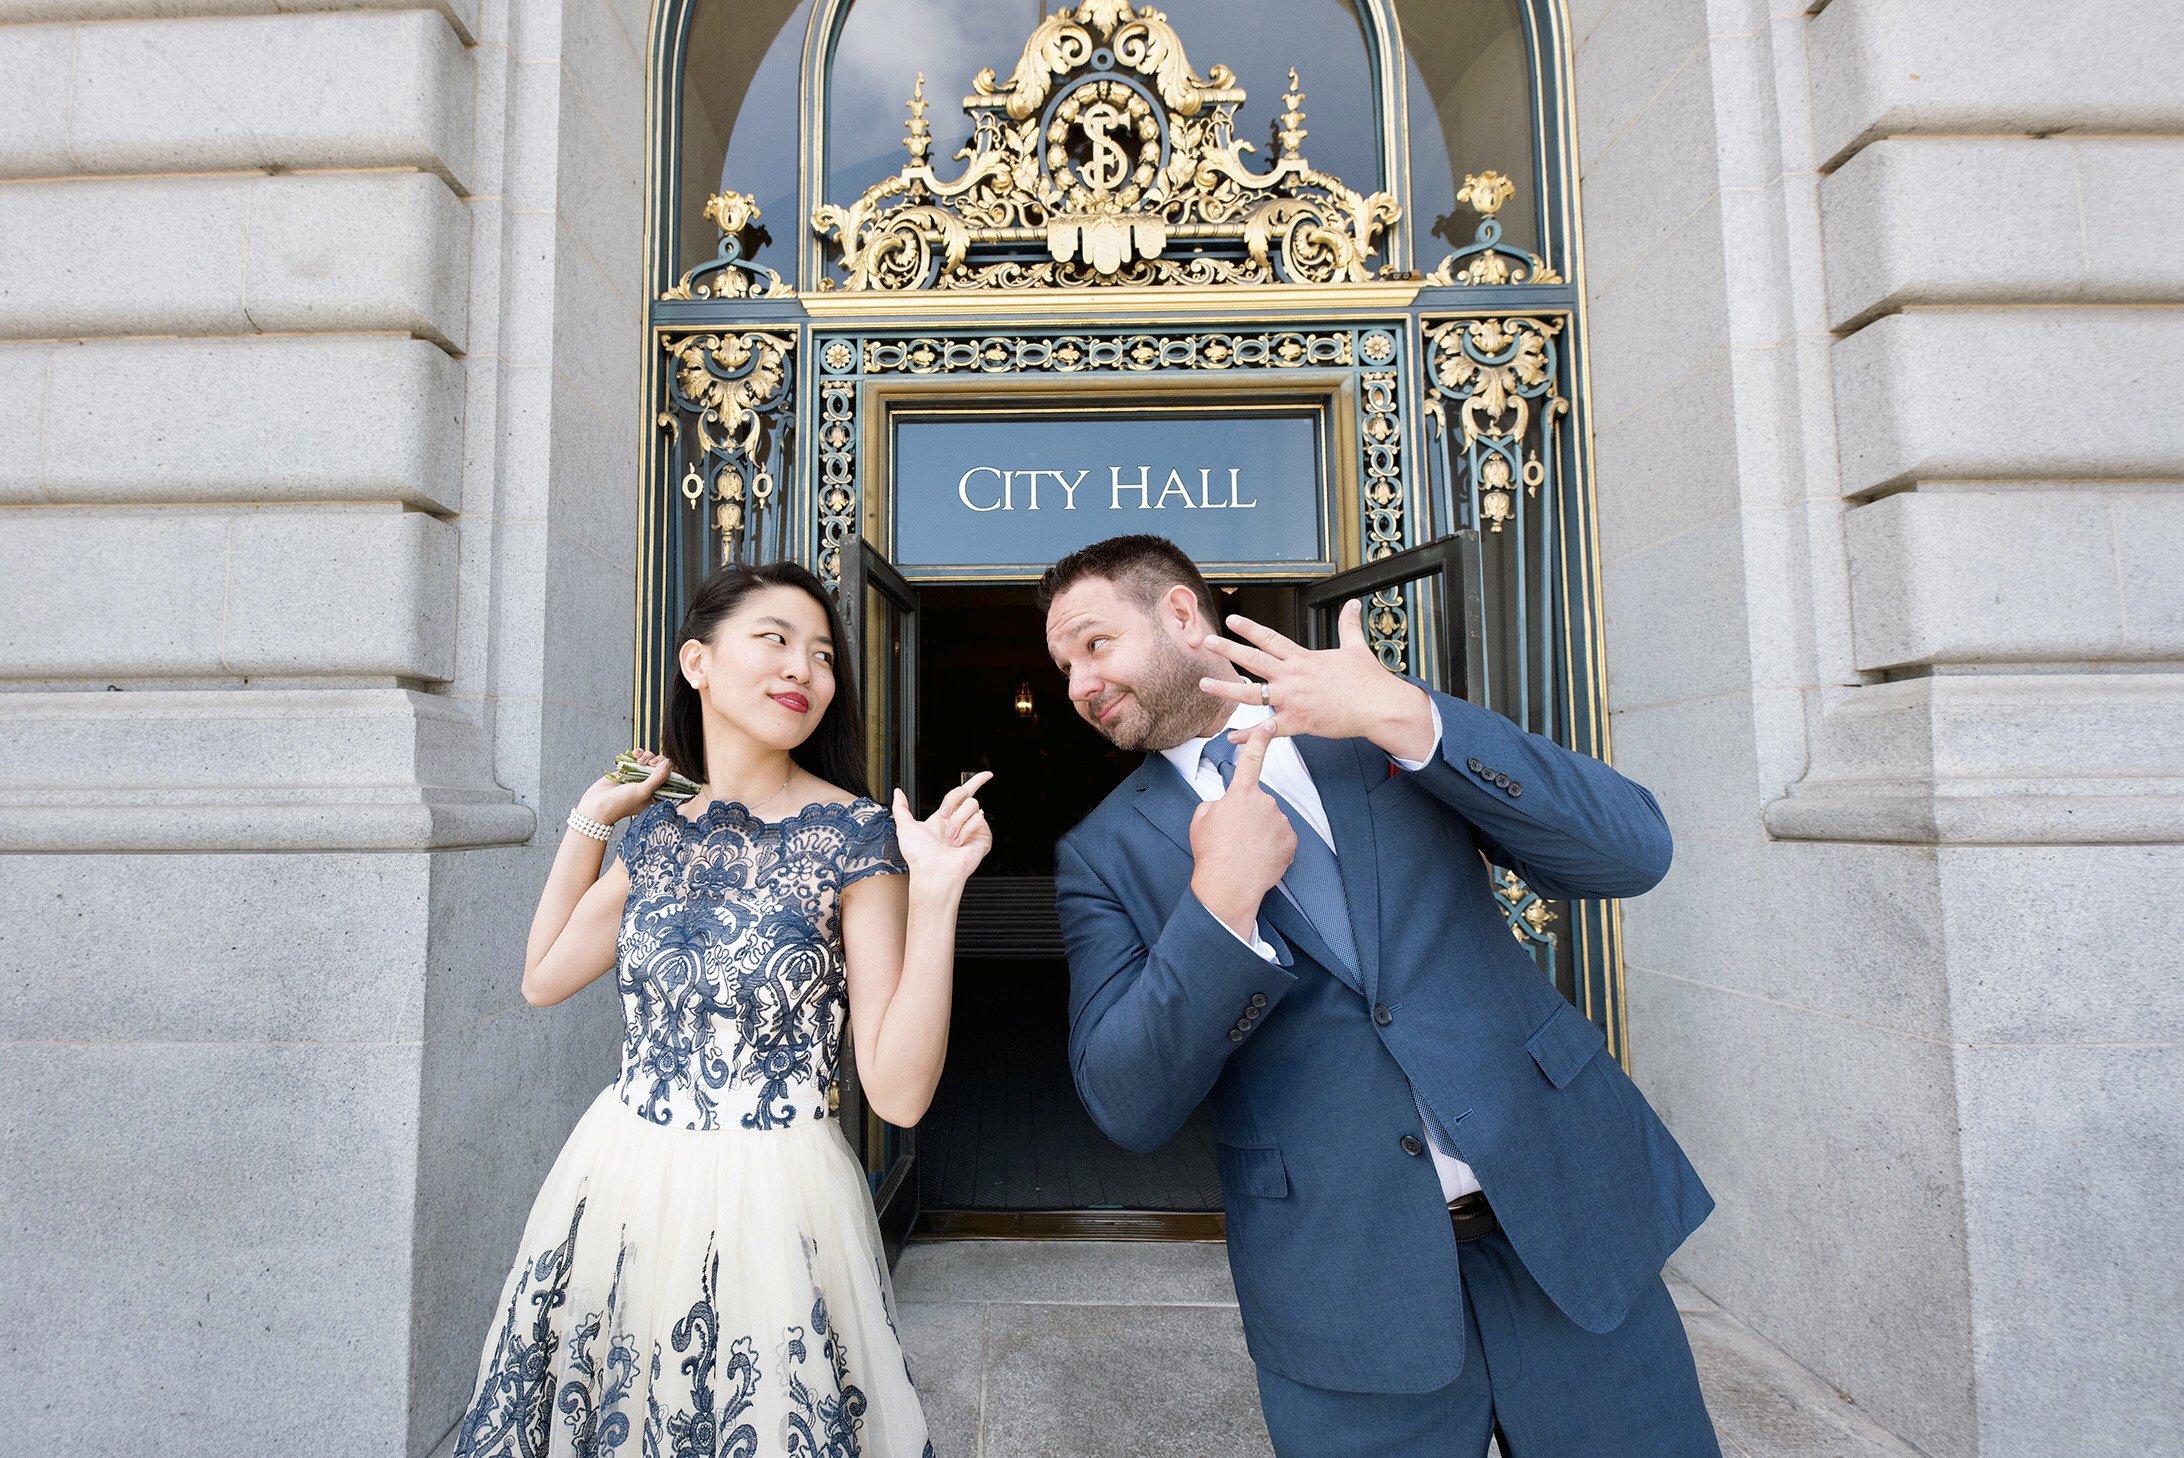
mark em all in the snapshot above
pixel 1448 1208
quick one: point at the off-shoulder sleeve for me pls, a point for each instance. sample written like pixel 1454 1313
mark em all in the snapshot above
pixel 872 849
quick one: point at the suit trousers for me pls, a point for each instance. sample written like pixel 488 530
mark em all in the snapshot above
pixel 1540 1382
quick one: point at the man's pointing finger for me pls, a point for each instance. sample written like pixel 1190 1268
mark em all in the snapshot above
pixel 1251 758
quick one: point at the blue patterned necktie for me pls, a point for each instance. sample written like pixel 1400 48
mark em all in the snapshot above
pixel 1314 883
pixel 1314 880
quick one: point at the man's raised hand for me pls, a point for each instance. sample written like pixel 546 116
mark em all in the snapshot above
pixel 1342 692
pixel 1242 843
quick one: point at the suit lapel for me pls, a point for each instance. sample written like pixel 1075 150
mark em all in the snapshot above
pixel 1169 804
pixel 1165 800
pixel 1340 778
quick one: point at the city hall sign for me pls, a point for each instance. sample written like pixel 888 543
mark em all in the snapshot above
pixel 975 490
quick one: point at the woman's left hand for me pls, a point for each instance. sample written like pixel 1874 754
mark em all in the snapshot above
pixel 949 844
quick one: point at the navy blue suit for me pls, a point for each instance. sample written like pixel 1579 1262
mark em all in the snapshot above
pixel 1346 1269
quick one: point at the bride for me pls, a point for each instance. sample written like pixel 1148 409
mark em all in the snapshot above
pixel 702 1272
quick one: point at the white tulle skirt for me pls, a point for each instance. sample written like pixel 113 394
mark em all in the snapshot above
pixel 717 1292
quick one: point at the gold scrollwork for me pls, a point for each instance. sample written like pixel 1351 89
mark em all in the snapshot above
pixel 1486 262
pixel 1498 373
pixel 1387 612
pixel 837 475
pixel 1528 915
pixel 726 275
pixel 845 360
pixel 734 390
pixel 1108 154
pixel 1078 353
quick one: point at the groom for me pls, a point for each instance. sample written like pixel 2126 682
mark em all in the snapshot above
pixel 1447 1206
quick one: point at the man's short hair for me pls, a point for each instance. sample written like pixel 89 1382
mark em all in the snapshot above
pixel 1142 567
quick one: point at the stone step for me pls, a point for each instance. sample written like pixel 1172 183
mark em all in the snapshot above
pixel 1112 1349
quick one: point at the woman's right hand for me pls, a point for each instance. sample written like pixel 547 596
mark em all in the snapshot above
pixel 608 800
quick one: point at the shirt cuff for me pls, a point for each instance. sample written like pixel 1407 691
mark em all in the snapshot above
pixel 1414 765
pixel 1256 942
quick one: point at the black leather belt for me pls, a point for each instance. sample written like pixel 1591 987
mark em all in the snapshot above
pixel 1471 1216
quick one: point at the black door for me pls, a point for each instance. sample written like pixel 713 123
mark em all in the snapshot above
pixel 1423 615
pixel 880 611
pixel 1421 611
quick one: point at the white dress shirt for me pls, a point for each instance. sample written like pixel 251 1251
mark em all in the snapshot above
pixel 1285 774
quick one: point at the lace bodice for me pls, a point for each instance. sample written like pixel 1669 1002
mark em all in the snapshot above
pixel 730 959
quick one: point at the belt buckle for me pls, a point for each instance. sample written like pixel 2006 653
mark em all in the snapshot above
pixel 1470 1216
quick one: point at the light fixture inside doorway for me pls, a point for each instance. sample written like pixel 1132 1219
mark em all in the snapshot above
pixel 1025 707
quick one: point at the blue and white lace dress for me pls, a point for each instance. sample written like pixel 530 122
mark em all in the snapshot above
pixel 702 1272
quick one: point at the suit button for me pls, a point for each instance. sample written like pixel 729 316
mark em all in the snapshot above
pixel 1258 999
pixel 1515 789
pixel 1474 766
pixel 1250 1013
pixel 1412 1146
pixel 1381 1015
pixel 1236 1035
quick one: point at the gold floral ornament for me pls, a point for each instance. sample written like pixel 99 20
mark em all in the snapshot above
pixel 1486 192
pixel 726 275
pixel 1528 915
pixel 1500 374
pixel 734 390
pixel 1104 158
pixel 1486 261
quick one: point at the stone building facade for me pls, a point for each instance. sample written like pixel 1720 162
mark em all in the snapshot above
pixel 322 354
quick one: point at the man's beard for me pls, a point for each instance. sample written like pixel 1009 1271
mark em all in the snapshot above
pixel 1164 707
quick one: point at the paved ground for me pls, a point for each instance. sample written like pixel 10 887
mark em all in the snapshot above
pixel 1080 1349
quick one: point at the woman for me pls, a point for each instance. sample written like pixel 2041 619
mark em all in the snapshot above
pixel 702 1273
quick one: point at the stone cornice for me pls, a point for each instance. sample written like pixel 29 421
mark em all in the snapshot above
pixel 1996 759
pixel 247 770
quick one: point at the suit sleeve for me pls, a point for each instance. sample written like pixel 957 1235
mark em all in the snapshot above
pixel 1150 1028
pixel 1566 822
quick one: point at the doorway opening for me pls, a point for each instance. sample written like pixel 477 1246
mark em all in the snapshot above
pixel 1007 1148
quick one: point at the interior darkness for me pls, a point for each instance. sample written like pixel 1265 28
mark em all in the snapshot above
pixel 980 645
pixel 1006 1130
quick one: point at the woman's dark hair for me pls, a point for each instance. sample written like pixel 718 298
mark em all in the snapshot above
pixel 835 750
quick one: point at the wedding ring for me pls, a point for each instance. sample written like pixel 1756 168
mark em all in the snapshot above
pixel 1266 695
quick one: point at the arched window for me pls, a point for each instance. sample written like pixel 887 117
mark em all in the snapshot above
pixel 740 74
pixel 881 49
pixel 1470 89
pixel 883 46
pixel 1325 40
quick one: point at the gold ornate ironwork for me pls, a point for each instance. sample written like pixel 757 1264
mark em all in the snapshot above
pixel 1387 612
pixel 1104 158
pixel 1383 495
pixel 1486 261
pixel 837 471
pixel 1078 353
pixel 726 275
pixel 734 390
pixel 1498 373
pixel 1528 915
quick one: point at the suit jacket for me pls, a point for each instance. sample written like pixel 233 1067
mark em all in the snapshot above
pixel 1344 1261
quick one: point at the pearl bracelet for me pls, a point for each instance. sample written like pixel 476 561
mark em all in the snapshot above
pixel 598 830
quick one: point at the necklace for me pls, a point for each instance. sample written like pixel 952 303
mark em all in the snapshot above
pixel 754 809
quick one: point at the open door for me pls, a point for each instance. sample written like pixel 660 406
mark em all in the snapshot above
pixel 880 611
pixel 1423 605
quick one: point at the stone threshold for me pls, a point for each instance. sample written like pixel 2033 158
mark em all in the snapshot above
pixel 1111 1349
